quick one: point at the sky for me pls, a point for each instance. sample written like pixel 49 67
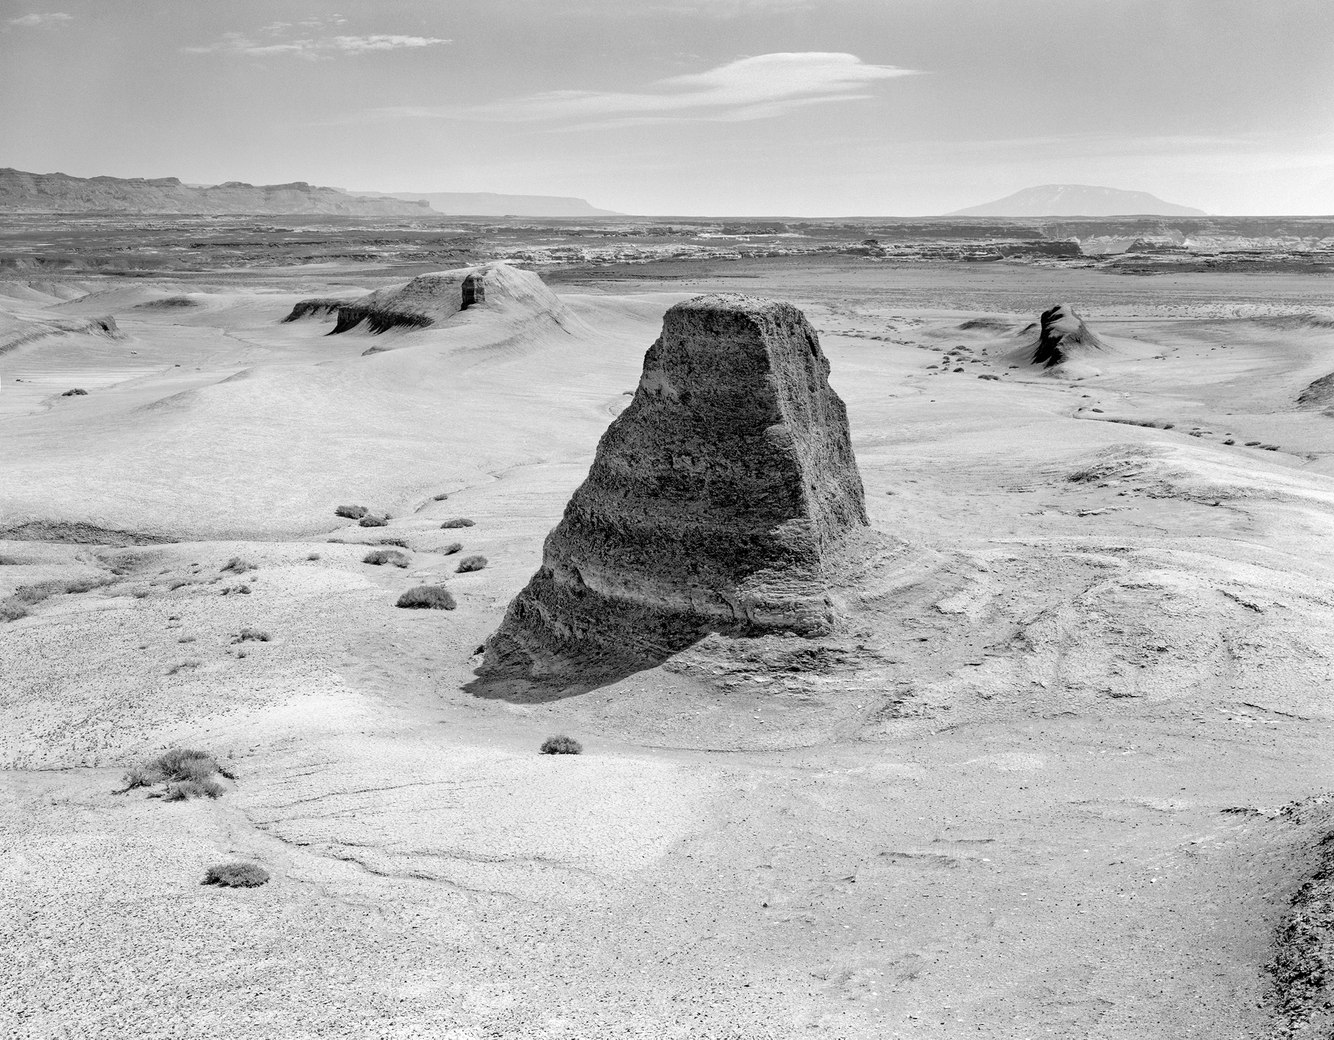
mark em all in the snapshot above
pixel 705 107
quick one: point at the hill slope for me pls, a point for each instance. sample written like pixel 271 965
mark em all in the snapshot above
pixel 1077 200
pixel 489 204
pixel 22 192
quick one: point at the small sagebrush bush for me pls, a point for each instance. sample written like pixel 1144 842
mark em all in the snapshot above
pixel 230 590
pixel 561 746
pixel 351 512
pixel 184 666
pixel 458 521
pixel 427 597
pixel 236 875
pixel 386 556
pixel 180 766
pixel 471 563
pixel 373 521
pixel 452 548
pixel 442 496
pixel 78 391
pixel 67 586
pixel 184 790
pixel 399 542
pixel 10 610
pixel 313 557
pixel 239 566
pixel 251 635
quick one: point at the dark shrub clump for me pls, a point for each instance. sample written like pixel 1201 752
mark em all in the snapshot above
pixel 561 746
pixel 471 563
pixel 351 512
pixel 236 875
pixel 180 766
pixel 453 547
pixel 458 521
pixel 373 521
pixel 251 635
pixel 239 566
pixel 78 391
pixel 187 789
pixel 383 556
pixel 399 542
pixel 427 597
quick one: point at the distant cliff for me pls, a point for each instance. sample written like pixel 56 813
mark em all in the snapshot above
pixel 487 204
pixel 1077 200
pixel 59 193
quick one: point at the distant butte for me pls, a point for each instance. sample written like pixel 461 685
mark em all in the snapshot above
pixel 1077 200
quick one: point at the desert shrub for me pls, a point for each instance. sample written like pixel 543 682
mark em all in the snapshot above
pixel 458 521
pixel 427 597
pixel 239 566
pixel 184 790
pixel 12 610
pixel 351 512
pixel 230 590
pixel 452 548
pixel 251 635
pixel 184 666
pixel 561 746
pixel 441 497
pixel 471 563
pixel 373 521
pixel 392 541
pixel 181 766
pixel 383 556
pixel 46 589
pixel 236 875
pixel 78 391
pixel 313 557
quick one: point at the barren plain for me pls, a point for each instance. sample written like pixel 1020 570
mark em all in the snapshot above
pixel 1063 772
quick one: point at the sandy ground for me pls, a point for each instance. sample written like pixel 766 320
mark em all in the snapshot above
pixel 1032 790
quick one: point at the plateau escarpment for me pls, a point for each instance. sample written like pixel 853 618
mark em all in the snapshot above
pixel 22 192
pixel 718 501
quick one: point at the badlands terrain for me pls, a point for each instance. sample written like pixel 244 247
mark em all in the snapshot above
pixel 1059 769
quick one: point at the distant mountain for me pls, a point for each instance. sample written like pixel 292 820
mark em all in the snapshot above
pixel 1077 200
pixel 488 204
pixel 59 193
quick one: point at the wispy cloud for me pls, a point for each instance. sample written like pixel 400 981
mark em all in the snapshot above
pixel 759 87
pixel 54 20
pixel 313 39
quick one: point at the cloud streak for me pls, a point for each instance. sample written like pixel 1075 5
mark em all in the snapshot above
pixel 759 87
pixel 54 20
pixel 312 41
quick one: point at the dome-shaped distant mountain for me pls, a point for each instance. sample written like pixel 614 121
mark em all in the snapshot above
pixel 1077 200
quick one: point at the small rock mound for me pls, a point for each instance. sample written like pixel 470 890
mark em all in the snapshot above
pixel 717 502
pixel 1318 395
pixel 1062 338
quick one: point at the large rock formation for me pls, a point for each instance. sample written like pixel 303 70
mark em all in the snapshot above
pixel 431 299
pixel 718 502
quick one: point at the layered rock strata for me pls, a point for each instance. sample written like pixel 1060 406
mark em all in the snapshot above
pixel 718 501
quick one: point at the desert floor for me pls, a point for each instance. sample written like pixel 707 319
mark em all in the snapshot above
pixel 1035 789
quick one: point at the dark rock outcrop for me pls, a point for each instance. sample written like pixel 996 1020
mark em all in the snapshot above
pixel 495 290
pixel 718 501
pixel 1063 337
